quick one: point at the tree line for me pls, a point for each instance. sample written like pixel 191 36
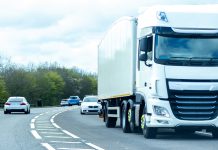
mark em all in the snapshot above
pixel 45 84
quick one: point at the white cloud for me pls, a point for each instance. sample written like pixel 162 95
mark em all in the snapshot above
pixel 66 31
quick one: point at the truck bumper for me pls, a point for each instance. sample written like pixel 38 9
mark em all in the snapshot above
pixel 170 121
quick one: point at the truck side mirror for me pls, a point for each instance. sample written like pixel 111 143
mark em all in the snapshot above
pixel 143 44
pixel 143 57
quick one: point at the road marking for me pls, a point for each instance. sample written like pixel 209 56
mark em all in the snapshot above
pixel 59 137
pixel 94 146
pixel 70 134
pixel 56 133
pixel 64 142
pixel 33 120
pixel 47 146
pixel 43 127
pixel 32 126
pixel 36 117
pixel 47 129
pixel 56 126
pixel 52 120
pixel 35 134
pixel 74 149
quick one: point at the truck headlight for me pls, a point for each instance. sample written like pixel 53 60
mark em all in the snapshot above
pixel 161 111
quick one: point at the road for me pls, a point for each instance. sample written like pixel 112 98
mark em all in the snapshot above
pixel 63 128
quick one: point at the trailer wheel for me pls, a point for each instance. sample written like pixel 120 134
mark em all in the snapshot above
pixel 148 132
pixel 110 122
pixel 124 119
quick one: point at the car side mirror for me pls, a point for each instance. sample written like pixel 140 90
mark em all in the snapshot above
pixel 99 101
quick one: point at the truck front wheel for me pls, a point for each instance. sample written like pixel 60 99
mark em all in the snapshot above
pixel 148 132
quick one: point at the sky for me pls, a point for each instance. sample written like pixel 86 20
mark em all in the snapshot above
pixel 64 31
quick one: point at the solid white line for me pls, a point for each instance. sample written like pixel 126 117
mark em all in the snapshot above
pixel 56 126
pixel 35 134
pixel 64 142
pixel 70 134
pixel 32 126
pixel 52 120
pixel 47 146
pixel 94 146
pixel 59 137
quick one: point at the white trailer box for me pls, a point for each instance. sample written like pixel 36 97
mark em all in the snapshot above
pixel 116 60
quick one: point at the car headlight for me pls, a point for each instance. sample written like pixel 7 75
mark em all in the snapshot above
pixel 161 111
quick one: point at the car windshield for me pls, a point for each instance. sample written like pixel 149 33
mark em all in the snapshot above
pixel 90 99
pixel 15 99
pixel 177 48
pixel 74 97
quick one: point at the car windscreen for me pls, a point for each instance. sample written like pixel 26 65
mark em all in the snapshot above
pixel 90 99
pixel 15 99
pixel 73 97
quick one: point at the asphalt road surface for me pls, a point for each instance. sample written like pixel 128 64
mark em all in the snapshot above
pixel 63 128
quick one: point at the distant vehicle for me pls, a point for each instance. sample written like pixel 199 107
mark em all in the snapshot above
pixel 73 100
pixel 16 104
pixel 90 105
pixel 64 102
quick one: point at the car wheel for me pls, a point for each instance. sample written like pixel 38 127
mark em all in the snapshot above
pixel 5 112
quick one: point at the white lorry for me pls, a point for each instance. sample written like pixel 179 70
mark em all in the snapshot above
pixel 160 70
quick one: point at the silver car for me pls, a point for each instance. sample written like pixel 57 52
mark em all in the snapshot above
pixel 16 104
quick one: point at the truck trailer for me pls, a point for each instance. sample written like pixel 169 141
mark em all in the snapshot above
pixel 160 70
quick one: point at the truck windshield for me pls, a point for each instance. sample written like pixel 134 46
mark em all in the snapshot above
pixel 186 50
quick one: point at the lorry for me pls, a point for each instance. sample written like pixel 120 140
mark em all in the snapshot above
pixel 160 70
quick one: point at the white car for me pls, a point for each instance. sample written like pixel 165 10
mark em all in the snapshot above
pixel 64 102
pixel 16 104
pixel 90 105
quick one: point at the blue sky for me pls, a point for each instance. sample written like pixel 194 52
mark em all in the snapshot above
pixel 63 31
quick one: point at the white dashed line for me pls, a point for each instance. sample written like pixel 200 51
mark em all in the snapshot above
pixel 35 134
pixel 70 134
pixel 94 146
pixel 47 146
pixel 33 120
pixel 32 126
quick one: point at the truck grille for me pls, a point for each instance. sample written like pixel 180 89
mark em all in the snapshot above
pixel 194 105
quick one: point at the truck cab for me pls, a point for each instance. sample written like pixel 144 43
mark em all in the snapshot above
pixel 177 67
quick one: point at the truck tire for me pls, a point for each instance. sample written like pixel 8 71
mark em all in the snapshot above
pixel 131 117
pixel 124 119
pixel 110 122
pixel 148 132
